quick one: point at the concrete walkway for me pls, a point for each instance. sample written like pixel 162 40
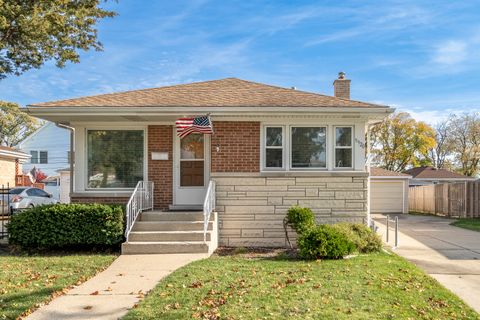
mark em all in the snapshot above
pixel 111 293
pixel 449 254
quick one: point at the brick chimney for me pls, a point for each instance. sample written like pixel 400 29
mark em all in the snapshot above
pixel 341 86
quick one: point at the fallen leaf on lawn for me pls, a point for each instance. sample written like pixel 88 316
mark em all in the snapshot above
pixel 170 306
pixel 196 284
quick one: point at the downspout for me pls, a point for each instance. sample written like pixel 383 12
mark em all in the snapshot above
pixel 368 162
pixel 72 153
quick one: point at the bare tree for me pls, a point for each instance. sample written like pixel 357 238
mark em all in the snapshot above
pixel 439 155
pixel 465 134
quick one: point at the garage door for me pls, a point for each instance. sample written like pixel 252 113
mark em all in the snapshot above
pixel 386 196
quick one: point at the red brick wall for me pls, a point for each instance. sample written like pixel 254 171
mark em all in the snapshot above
pixel 239 144
pixel 104 200
pixel 160 139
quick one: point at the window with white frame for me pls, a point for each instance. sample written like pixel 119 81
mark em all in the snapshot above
pixel 308 147
pixel 274 147
pixel 343 147
pixel 115 158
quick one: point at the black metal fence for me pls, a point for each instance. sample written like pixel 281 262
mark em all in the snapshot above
pixel 5 212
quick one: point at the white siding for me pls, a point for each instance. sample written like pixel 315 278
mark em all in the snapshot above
pixel 54 140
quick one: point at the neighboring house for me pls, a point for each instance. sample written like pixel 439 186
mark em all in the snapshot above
pixel 388 191
pixel 49 148
pixel 11 161
pixel 430 175
pixel 272 148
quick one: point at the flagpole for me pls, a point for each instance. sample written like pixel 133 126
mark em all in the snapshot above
pixel 210 120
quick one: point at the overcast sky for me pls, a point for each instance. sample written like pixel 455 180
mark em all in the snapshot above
pixel 419 56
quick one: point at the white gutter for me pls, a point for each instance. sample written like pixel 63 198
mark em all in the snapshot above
pixel 72 151
pixel 15 155
pixel 214 111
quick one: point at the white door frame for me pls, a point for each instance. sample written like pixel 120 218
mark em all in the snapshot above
pixel 189 196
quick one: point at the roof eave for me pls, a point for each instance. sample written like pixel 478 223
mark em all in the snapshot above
pixel 37 110
pixel 22 157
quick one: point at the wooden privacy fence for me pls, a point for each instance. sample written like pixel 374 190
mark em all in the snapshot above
pixel 447 199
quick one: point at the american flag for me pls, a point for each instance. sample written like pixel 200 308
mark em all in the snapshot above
pixel 185 126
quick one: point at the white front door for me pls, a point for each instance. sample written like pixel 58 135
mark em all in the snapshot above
pixel 191 169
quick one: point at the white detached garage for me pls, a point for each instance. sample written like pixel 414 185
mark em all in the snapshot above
pixel 388 191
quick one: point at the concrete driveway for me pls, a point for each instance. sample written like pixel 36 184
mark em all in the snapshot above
pixel 449 254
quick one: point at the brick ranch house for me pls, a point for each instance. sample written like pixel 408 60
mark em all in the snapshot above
pixel 272 148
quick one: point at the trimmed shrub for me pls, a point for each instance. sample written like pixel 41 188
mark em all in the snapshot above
pixel 67 225
pixel 300 219
pixel 325 242
pixel 363 237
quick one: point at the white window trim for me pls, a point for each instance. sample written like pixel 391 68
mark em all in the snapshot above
pixel 291 168
pixel 329 149
pixel 85 159
pixel 335 147
pixel 264 146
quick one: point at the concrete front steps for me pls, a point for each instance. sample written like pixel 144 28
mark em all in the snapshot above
pixel 171 232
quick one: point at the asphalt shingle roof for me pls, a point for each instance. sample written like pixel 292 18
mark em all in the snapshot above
pixel 229 92
pixel 380 172
pixel 433 173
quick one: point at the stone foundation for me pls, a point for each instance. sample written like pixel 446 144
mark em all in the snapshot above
pixel 252 207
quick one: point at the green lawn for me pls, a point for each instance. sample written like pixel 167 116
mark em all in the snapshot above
pixel 471 224
pixel 376 286
pixel 28 281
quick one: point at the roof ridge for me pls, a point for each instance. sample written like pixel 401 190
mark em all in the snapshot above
pixel 132 90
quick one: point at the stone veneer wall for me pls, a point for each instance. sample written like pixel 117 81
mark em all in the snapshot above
pixel 252 207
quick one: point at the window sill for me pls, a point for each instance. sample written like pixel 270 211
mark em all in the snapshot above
pixel 312 173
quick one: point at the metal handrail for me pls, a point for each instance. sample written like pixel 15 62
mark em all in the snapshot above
pixel 140 200
pixel 208 207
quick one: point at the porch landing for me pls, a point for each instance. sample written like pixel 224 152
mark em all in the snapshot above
pixel 171 232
